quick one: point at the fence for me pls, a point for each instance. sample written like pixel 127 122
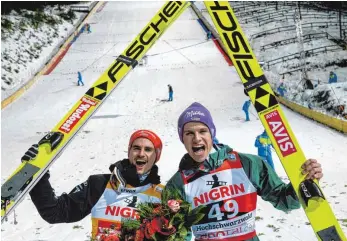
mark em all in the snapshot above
pixel 287 12
pixel 246 8
pixel 265 16
pixel 241 4
pixel 306 5
pixel 306 38
pixel 292 27
pixel 252 12
pixel 308 53
pixel 291 17
pixel 83 8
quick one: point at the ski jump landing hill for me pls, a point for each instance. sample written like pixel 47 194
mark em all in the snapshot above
pixel 204 20
pixel 197 71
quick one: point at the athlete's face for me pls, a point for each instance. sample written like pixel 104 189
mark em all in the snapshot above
pixel 142 155
pixel 197 140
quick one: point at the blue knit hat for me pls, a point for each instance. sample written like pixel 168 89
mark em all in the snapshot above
pixel 196 112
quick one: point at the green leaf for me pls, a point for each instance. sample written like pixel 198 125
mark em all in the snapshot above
pixel 184 205
pixel 176 218
pixel 130 224
pixel 171 238
pixel 180 226
pixel 183 232
pixel 199 216
pixel 197 210
pixel 154 237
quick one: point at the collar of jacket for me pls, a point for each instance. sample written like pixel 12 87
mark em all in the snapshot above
pixel 215 159
pixel 126 173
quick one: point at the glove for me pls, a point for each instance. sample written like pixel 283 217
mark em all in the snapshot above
pixel 31 153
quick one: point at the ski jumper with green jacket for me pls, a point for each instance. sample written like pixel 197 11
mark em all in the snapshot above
pixel 228 183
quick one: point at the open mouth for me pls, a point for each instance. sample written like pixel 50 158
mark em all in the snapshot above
pixel 198 149
pixel 140 163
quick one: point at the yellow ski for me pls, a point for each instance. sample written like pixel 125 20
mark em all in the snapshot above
pixel 51 146
pixel 315 204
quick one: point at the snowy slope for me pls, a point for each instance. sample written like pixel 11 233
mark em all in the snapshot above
pixel 197 73
pixel 23 54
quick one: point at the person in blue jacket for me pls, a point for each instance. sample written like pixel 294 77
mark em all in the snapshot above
pixel 263 143
pixel 170 93
pixel 88 28
pixel 80 79
pixel 332 77
pixel 281 89
pixel 245 108
pixel 208 35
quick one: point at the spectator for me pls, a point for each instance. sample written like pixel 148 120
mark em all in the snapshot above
pixel 170 93
pixel 332 77
pixel 80 79
pixel 245 108
pixel 88 28
pixel 208 35
pixel 281 89
pixel 263 143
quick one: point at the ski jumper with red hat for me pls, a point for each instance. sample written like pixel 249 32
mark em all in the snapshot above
pixel 109 198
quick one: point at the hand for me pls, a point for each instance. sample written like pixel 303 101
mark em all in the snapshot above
pixel 31 153
pixel 173 205
pixel 313 169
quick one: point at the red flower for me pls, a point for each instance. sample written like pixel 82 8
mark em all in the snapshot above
pixel 174 205
pixel 112 238
pixel 140 235
pixel 149 230
pixel 157 210
pixel 161 225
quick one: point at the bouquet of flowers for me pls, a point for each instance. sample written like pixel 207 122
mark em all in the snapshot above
pixel 166 221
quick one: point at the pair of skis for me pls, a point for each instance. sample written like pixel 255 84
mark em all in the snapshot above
pixel 317 208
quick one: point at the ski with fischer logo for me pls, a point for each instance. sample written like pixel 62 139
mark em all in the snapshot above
pixel 312 199
pixel 24 178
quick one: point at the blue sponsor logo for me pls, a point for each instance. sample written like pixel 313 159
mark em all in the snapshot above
pixel 232 156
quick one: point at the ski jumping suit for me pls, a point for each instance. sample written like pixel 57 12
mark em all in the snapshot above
pixel 170 93
pixel 245 108
pixel 228 184
pixel 263 143
pixel 79 79
pixel 102 195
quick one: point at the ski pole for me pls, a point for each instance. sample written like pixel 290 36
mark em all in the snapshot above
pixel 254 115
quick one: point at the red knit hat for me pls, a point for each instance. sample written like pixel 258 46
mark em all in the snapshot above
pixel 158 146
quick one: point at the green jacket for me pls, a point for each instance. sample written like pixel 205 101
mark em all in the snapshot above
pixel 269 186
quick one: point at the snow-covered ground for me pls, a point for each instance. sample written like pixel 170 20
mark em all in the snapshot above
pixel 197 73
pixel 25 49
